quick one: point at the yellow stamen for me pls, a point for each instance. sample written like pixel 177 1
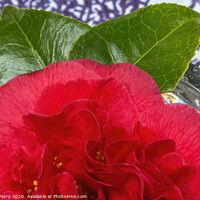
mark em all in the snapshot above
pixel 98 153
pixel 35 188
pixel 77 186
pixel 99 156
pixel 55 158
pixel 59 165
pixel 34 182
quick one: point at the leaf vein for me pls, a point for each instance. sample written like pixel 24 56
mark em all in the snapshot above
pixel 114 61
pixel 161 40
pixel 37 56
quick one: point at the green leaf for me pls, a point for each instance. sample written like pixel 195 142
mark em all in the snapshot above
pixel 161 39
pixel 32 39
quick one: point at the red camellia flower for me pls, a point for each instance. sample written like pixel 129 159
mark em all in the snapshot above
pixel 96 131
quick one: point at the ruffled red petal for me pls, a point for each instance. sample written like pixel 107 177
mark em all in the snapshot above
pixel 63 184
pixel 143 89
pixel 180 123
pixel 19 96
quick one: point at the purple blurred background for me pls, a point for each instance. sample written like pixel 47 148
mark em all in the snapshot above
pixel 93 11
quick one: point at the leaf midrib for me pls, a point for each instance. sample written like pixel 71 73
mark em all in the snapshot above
pixel 140 58
pixel 35 53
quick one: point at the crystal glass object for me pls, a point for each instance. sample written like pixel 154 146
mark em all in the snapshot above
pixel 187 90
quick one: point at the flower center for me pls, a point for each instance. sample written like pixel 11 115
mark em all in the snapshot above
pixel 28 191
pixel 35 184
pixel 77 186
pixel 99 157
pixel 58 165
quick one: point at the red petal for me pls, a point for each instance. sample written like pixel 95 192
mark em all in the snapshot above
pixel 103 118
pixel 52 107
pixel 116 193
pixel 101 195
pixel 109 94
pixel 58 95
pixel 112 133
pixel 144 134
pixel 57 127
pixel 191 190
pixel 173 166
pixel 5 159
pixel 134 188
pixel 143 89
pixel 83 126
pixel 170 163
pixel 121 152
pixel 73 163
pixel 180 123
pixel 124 185
pixel 133 184
pixel 161 184
pixel 63 184
pixel 158 148
pixel 47 170
pixel 19 96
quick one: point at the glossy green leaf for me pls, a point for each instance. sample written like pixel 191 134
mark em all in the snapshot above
pixel 161 39
pixel 32 39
